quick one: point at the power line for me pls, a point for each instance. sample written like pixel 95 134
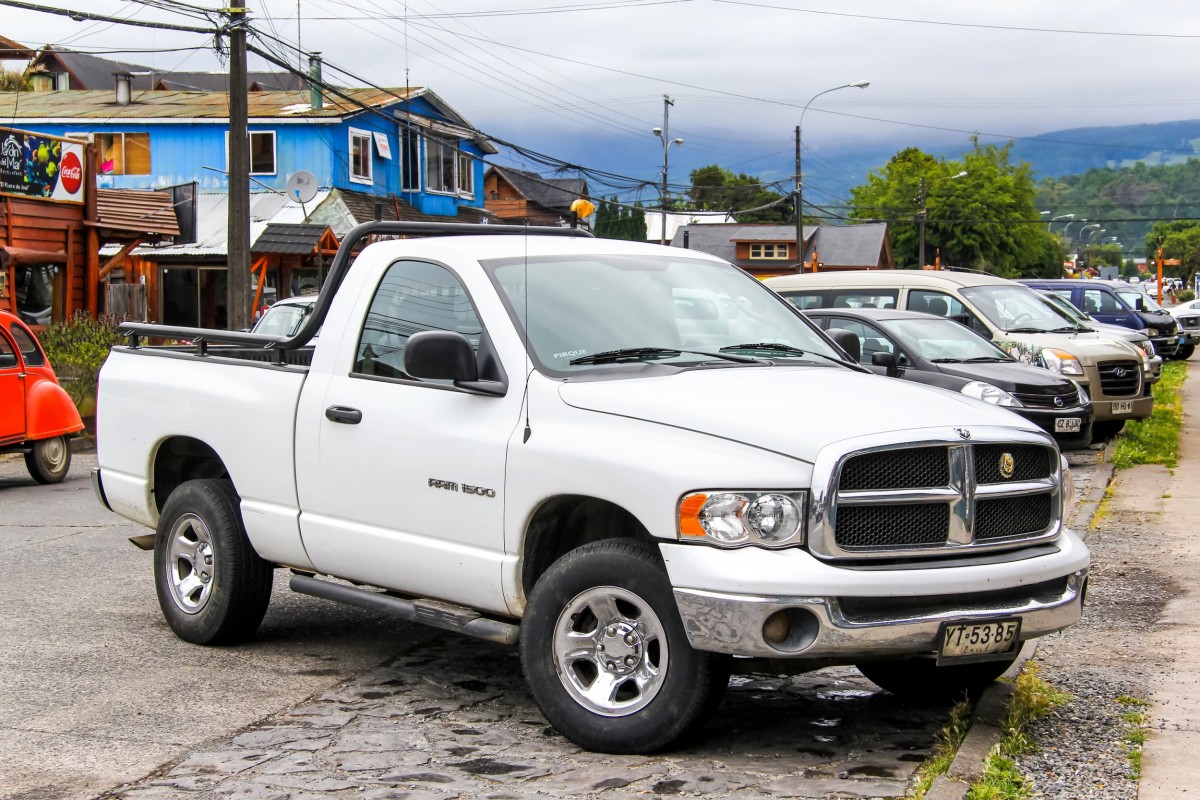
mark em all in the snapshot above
pixel 87 16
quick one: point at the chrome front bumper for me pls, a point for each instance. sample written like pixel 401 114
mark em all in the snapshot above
pixel 821 627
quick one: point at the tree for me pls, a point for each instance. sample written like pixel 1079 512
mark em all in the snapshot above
pixel 12 81
pixel 715 188
pixel 614 221
pixel 1181 240
pixel 986 219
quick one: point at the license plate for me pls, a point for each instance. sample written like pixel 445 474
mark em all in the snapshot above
pixel 1122 407
pixel 960 642
pixel 1067 425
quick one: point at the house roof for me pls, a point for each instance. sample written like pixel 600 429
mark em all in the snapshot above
pixel 10 50
pixel 219 82
pixel 94 72
pixel 91 71
pixel 136 211
pixel 843 245
pixel 344 209
pixel 556 194
pixel 164 106
pixel 289 238
pixel 676 220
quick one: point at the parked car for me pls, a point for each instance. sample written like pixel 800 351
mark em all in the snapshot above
pixel 1153 363
pixel 1118 303
pixel 1013 316
pixel 36 416
pixel 1188 315
pixel 939 352
pixel 509 437
pixel 284 317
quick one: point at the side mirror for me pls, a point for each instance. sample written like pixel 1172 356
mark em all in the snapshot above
pixel 440 355
pixel 1139 304
pixel 847 341
pixel 888 362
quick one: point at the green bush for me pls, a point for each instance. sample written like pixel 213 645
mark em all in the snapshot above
pixel 1185 296
pixel 77 350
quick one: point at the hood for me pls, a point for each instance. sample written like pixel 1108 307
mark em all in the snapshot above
pixel 795 411
pixel 1019 378
pixel 1089 347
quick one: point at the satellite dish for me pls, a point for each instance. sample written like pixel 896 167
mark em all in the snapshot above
pixel 302 186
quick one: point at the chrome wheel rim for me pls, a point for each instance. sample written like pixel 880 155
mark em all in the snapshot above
pixel 54 454
pixel 610 651
pixel 191 564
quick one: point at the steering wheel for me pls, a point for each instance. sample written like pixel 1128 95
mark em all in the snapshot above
pixel 1022 317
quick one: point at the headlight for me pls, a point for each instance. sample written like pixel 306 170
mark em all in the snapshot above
pixel 990 394
pixel 1068 484
pixel 1148 346
pixel 1145 358
pixel 1152 331
pixel 1060 361
pixel 1084 399
pixel 739 519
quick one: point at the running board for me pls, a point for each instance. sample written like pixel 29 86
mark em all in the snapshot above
pixel 427 612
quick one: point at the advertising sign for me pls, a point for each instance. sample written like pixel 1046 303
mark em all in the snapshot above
pixel 43 167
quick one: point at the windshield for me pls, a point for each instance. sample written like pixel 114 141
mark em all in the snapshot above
pixel 599 311
pixel 1016 309
pixel 283 319
pixel 943 340
pixel 1131 296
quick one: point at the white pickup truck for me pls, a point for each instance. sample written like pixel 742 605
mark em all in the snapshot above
pixel 637 462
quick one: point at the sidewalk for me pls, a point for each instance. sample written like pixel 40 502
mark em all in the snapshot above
pixel 1169 769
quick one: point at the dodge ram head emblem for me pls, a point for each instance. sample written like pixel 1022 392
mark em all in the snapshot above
pixel 963 433
pixel 1007 465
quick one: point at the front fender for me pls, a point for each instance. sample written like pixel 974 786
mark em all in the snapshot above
pixel 49 412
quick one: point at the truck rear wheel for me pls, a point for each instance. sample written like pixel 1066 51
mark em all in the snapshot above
pixel 923 679
pixel 212 587
pixel 1107 429
pixel 606 656
pixel 50 460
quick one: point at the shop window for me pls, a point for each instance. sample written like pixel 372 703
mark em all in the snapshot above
pixel 124 153
pixel 262 152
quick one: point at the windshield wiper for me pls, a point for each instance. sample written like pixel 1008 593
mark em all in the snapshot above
pixel 779 347
pixel 1072 329
pixel 1027 330
pixel 984 359
pixel 651 353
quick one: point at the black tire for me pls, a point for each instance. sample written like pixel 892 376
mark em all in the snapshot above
pixel 1185 352
pixel 50 460
pixel 212 587
pixel 640 636
pixel 923 679
pixel 1103 431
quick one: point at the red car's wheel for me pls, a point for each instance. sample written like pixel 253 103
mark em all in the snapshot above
pixel 49 460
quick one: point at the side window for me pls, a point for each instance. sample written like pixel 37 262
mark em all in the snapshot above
pixel 944 305
pixel 413 296
pixel 870 339
pixel 1096 301
pixel 28 347
pixel 864 299
pixel 8 358
pixel 804 301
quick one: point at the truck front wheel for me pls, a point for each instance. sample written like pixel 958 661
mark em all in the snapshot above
pixel 923 679
pixel 212 587
pixel 606 656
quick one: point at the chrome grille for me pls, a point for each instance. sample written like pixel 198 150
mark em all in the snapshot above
pixel 936 497
pixel 1065 400
pixel 1120 378
pixel 1190 322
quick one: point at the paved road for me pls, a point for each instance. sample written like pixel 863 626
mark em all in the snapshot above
pixel 329 701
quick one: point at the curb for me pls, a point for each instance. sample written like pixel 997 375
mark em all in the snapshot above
pixel 985 733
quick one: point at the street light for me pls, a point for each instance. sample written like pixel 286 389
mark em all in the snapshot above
pixel 923 212
pixel 800 174
pixel 667 141
pixel 1067 228
pixel 1056 219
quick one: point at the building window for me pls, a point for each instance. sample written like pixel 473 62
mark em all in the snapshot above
pixel 360 156
pixel 410 160
pixel 262 152
pixel 124 153
pixel 466 175
pixel 775 251
pixel 439 165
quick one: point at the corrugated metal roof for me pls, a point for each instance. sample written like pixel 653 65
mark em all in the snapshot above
pixel 165 106
pixel 137 211
pixel 281 238
pixel 10 50
pixel 843 245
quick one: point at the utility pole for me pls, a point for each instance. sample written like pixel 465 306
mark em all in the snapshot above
pixel 664 135
pixel 922 213
pixel 238 249
pixel 799 197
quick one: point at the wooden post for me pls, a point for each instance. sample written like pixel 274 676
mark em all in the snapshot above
pixel 1158 261
pixel 91 270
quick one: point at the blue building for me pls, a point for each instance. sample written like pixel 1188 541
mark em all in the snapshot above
pixel 405 145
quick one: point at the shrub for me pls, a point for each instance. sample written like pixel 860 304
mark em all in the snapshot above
pixel 77 350
pixel 1185 296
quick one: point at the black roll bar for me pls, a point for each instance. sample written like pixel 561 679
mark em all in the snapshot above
pixel 202 337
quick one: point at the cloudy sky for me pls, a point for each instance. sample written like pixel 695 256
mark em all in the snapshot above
pixel 580 79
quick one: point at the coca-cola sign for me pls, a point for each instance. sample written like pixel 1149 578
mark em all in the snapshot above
pixel 39 166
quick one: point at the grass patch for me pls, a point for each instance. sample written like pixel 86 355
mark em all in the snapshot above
pixel 1155 440
pixel 1103 507
pixel 1135 719
pixel 1032 698
pixel 948 740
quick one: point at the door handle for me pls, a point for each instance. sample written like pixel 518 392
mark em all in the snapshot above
pixel 348 416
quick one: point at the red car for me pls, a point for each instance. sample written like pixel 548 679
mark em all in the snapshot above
pixel 36 415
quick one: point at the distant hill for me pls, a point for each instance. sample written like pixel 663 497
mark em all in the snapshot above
pixel 1075 150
